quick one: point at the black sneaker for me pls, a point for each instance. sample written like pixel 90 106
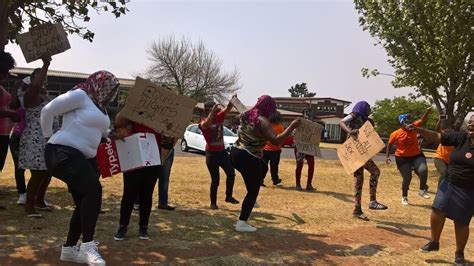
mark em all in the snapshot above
pixel 430 246
pixel 276 182
pixel 298 187
pixel 122 231
pixel 232 200
pixel 166 207
pixel 143 233
pixel 214 207
pixel 459 258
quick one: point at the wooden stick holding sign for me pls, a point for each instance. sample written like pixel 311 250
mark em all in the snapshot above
pixel 43 40
pixel 356 151
pixel 307 138
pixel 241 108
pixel 159 108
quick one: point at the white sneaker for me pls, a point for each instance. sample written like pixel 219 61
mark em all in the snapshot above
pixel 404 200
pixel 243 226
pixel 70 254
pixel 89 253
pixel 424 194
pixel 256 205
pixel 21 199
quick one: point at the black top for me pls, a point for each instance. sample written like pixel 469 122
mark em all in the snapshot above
pixel 461 164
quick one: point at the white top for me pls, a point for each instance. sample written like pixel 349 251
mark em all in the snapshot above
pixel 83 123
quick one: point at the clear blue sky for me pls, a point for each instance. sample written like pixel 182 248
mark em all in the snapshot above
pixel 274 44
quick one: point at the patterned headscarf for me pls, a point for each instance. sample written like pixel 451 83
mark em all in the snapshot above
pixel 362 109
pixel 404 119
pixel 101 86
pixel 265 107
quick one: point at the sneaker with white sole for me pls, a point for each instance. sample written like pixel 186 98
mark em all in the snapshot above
pixel 21 199
pixel 424 194
pixel 243 226
pixel 404 200
pixel 89 253
pixel 70 254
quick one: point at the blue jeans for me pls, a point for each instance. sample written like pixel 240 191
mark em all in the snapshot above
pixel 164 181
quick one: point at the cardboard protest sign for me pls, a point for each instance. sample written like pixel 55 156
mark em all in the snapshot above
pixel 307 138
pixel 355 152
pixel 43 40
pixel 238 104
pixel 158 108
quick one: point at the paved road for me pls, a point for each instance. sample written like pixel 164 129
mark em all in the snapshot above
pixel 287 153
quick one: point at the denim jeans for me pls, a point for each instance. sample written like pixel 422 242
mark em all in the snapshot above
pixel 164 180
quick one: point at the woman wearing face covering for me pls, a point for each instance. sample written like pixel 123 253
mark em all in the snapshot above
pixel 351 125
pixel 408 154
pixel 455 196
pixel 70 156
pixel 247 152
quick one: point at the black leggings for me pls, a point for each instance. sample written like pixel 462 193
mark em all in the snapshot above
pixel 274 158
pixel 139 184
pixel 82 178
pixel 252 169
pixel 214 160
pixel 19 173
pixel 4 141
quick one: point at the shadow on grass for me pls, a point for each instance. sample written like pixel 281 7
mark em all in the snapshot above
pixel 432 261
pixel 340 196
pixel 401 229
pixel 182 236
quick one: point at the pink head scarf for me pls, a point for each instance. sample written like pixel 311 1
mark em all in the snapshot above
pixel 265 107
pixel 101 86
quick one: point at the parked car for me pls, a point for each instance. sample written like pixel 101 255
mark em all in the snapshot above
pixel 194 139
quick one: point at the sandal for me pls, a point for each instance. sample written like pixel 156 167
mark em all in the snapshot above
pixel 361 216
pixel 375 205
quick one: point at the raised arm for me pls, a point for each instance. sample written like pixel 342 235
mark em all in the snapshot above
pixel 15 103
pixel 267 131
pixel 62 104
pixel 208 121
pixel 424 118
pixel 32 94
pixel 429 134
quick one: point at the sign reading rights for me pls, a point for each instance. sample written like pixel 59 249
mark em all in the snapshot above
pixel 158 108
pixel 355 152
pixel 43 40
pixel 307 137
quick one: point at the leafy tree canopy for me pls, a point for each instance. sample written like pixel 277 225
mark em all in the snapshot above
pixel 300 90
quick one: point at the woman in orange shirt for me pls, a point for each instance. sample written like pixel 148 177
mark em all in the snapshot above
pixel 408 154
pixel 441 159
pixel 271 152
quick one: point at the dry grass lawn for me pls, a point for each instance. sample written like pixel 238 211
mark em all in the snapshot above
pixel 293 227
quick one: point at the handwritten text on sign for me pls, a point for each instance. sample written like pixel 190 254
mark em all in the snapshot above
pixel 159 108
pixel 355 152
pixel 44 40
pixel 307 137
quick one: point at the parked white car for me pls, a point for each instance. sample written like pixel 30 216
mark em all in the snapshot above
pixel 194 139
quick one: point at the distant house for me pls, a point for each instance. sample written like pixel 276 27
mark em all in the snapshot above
pixel 327 111
pixel 60 82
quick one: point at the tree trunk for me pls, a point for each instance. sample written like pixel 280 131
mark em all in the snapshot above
pixel 3 24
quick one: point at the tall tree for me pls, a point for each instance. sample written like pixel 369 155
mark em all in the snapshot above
pixel 191 69
pixel 14 15
pixel 385 113
pixel 300 90
pixel 430 45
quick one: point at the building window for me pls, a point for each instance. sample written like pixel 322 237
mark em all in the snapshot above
pixel 334 131
pixel 326 108
pixel 318 108
pixel 333 109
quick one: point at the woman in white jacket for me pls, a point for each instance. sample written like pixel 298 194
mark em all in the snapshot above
pixel 70 156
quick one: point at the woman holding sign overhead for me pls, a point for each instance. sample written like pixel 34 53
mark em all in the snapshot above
pixel 351 124
pixel 247 152
pixel 70 156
